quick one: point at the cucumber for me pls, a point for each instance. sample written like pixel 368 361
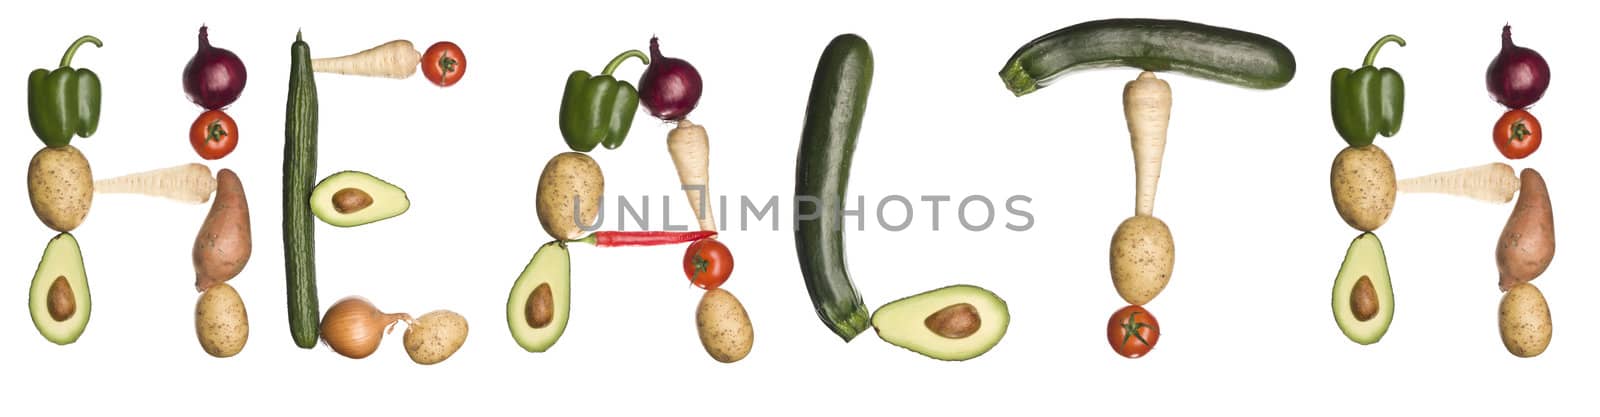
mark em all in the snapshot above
pixel 822 171
pixel 299 176
pixel 1215 53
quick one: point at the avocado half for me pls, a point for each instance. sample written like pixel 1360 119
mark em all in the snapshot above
pixel 911 322
pixel 1365 268
pixel 550 267
pixel 354 198
pixel 60 276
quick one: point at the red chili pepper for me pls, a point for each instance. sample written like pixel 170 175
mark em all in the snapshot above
pixel 608 239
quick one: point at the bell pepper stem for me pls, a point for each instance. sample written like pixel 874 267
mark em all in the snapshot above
pixel 634 53
pixel 66 58
pixel 1372 54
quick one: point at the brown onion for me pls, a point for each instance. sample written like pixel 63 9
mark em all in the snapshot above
pixel 354 327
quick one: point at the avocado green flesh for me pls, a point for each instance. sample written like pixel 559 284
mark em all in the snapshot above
pixel 903 322
pixel 387 199
pixel 550 265
pixel 62 258
pixel 1364 258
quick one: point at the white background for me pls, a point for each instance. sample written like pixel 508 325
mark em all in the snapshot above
pixel 1246 319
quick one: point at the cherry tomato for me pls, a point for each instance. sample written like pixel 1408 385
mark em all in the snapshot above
pixel 1132 331
pixel 1517 134
pixel 444 64
pixel 213 135
pixel 708 263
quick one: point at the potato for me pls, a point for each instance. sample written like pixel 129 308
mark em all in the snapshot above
pixel 1528 242
pixel 1363 187
pixel 1525 325
pixel 724 326
pixel 435 336
pixel 569 178
pixel 60 187
pixel 220 321
pixel 223 246
pixel 1141 258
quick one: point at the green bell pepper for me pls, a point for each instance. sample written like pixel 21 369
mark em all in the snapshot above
pixel 1368 101
pixel 64 102
pixel 599 109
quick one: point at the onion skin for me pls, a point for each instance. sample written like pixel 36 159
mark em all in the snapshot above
pixel 670 87
pixel 353 327
pixel 1518 76
pixel 214 77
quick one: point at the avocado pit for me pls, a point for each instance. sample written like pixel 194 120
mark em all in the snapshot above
pixel 1364 299
pixel 540 307
pixel 350 200
pixel 61 302
pixel 955 321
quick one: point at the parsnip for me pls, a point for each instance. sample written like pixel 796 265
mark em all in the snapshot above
pixel 1494 182
pixel 1147 104
pixel 394 59
pixel 188 183
pixel 691 154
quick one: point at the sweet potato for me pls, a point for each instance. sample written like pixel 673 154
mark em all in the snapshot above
pixel 1528 242
pixel 223 246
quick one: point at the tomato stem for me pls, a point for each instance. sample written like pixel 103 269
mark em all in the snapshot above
pixel 700 264
pixel 447 64
pixel 1519 131
pixel 1130 328
pixel 215 132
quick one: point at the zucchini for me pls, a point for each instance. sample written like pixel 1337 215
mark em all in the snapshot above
pixel 1215 53
pixel 299 176
pixel 822 171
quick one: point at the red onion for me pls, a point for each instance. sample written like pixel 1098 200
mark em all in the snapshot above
pixel 1518 76
pixel 670 87
pixel 214 77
